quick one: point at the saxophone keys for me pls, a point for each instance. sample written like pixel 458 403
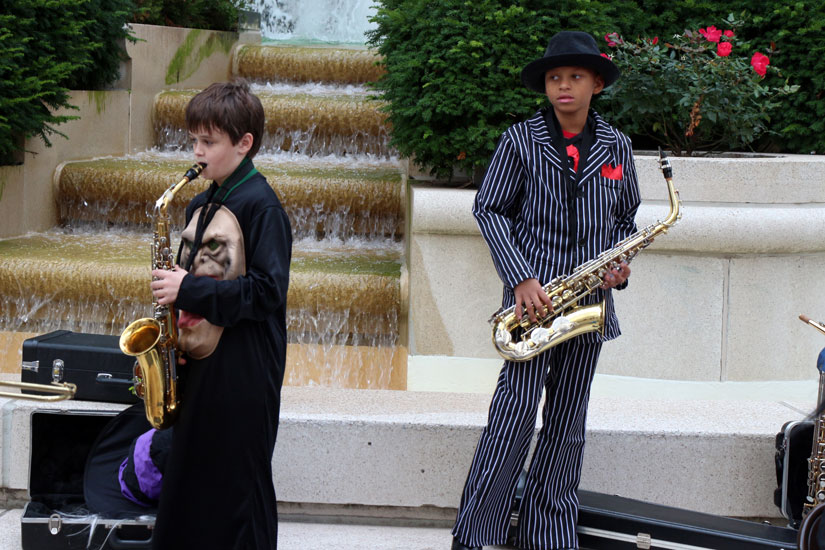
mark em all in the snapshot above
pixel 540 336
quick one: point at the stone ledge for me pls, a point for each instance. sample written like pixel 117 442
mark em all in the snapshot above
pixel 707 228
pixel 411 450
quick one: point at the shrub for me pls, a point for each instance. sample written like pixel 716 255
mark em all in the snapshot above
pixel 46 48
pixel 453 70
pixel 217 15
pixel 452 77
pixel 796 29
pixel 699 90
pixel 453 66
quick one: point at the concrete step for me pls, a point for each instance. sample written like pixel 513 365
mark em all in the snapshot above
pixel 99 281
pixel 405 454
pixel 298 122
pixel 341 198
pixel 268 62
pixel 294 535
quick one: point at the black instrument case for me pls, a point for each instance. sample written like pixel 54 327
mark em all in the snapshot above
pixel 66 448
pixel 609 522
pixel 93 362
pixel 794 444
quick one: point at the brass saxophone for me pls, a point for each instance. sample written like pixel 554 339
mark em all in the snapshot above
pixel 814 504
pixel 153 340
pixel 522 340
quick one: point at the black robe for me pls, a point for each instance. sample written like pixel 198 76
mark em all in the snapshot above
pixel 217 488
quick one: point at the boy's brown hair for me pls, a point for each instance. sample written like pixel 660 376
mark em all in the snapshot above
pixel 231 108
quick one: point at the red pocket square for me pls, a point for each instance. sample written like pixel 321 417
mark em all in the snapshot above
pixel 612 173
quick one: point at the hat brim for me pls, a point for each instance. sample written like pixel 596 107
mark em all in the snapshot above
pixel 532 75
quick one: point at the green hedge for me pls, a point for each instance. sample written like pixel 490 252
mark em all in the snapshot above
pixel 216 15
pixel 453 66
pixel 48 47
pixel 453 69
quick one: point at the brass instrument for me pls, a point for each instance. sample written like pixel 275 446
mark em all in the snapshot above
pixel 153 340
pixel 814 504
pixel 61 390
pixel 568 319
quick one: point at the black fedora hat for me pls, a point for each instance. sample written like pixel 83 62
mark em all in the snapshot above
pixel 569 49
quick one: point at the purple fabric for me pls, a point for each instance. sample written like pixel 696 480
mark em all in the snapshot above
pixel 149 477
pixel 124 489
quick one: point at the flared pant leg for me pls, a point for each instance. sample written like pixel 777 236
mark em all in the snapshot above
pixel 486 503
pixel 549 505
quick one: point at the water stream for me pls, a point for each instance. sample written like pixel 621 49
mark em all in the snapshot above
pixel 337 21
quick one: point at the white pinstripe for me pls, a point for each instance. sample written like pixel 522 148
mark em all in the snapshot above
pixel 522 211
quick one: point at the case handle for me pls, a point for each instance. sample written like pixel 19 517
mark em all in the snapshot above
pixel 106 378
pixel 117 543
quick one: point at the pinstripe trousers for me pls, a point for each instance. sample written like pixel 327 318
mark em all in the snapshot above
pixel 549 506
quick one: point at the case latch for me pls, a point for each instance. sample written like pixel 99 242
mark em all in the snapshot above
pixel 643 541
pixel 57 371
pixel 55 523
pixel 33 366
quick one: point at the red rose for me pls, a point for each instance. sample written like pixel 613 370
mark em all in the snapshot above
pixel 760 63
pixel 729 34
pixel 605 56
pixel 655 40
pixel 723 49
pixel 712 34
pixel 612 39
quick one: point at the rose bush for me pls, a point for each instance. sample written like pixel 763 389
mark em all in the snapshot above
pixel 701 91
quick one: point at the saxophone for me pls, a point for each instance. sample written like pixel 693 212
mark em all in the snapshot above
pixel 814 504
pixel 153 340
pixel 521 340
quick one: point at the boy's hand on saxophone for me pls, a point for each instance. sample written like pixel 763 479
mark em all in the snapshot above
pixel 531 297
pixel 166 284
pixel 616 276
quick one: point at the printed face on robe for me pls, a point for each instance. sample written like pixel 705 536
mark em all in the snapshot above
pixel 220 256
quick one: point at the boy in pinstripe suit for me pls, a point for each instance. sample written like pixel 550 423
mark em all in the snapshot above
pixel 560 189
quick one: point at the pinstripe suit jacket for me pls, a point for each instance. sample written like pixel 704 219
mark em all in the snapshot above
pixel 536 227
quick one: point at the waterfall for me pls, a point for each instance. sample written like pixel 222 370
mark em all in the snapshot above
pixel 338 21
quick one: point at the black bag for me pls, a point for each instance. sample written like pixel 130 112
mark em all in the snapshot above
pixel 93 362
pixel 610 522
pixel 75 502
pixel 794 444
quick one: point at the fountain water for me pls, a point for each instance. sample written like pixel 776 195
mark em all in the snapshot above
pixel 325 152
pixel 320 20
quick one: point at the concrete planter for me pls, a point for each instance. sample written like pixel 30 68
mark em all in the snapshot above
pixel 716 299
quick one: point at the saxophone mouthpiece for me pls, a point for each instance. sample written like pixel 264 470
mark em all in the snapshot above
pixel 664 164
pixel 195 171
pixel 817 325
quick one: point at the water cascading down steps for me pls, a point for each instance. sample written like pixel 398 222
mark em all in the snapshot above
pixel 325 152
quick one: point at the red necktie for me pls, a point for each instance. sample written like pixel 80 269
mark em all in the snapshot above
pixel 573 153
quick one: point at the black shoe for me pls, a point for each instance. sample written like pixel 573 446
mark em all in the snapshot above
pixel 458 546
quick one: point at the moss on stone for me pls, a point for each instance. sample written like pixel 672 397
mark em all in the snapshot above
pixel 189 56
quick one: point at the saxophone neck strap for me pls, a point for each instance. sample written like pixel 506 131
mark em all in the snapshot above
pixel 217 196
pixel 243 172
